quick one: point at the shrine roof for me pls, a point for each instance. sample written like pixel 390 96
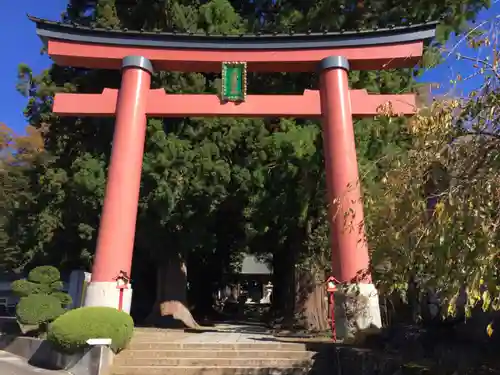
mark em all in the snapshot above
pixel 258 41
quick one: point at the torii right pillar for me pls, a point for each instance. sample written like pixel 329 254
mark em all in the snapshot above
pixel 356 303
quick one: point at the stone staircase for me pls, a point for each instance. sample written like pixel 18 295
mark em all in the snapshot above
pixel 211 354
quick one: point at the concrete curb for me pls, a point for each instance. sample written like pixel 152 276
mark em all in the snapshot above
pixel 95 360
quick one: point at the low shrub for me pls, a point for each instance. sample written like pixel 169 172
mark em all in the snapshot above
pixel 69 333
pixel 38 309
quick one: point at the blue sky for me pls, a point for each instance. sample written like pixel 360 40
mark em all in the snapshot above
pixel 21 45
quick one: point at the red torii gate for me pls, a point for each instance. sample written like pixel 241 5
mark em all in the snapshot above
pixel 136 53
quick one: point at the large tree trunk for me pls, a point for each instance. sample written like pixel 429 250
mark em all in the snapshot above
pixel 203 285
pixel 283 299
pixel 312 302
pixel 170 308
pixel 278 276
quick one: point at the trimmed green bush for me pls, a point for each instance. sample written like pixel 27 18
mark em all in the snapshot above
pixel 64 298
pixel 38 309
pixel 44 275
pixel 69 333
pixel 23 288
pixel 57 285
pixel 41 297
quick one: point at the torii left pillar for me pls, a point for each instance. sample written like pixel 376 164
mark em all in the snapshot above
pixel 115 242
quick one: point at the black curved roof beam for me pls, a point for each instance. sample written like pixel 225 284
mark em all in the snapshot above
pixel 209 49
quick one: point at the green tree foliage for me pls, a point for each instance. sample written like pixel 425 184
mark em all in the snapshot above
pixel 211 188
pixel 19 157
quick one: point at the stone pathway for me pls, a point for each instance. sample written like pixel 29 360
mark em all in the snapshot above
pixel 225 338
pixel 223 333
pixel 231 334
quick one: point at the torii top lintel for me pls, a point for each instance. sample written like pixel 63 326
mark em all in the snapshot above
pixel 73 45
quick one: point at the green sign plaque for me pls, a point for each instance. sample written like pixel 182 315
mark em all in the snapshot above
pixel 234 81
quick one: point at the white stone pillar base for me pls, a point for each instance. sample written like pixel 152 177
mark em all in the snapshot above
pixel 357 311
pixel 103 293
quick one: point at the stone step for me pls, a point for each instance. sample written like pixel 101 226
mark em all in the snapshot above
pixel 209 353
pixel 212 362
pixel 188 334
pixel 219 370
pixel 169 345
pixel 160 335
